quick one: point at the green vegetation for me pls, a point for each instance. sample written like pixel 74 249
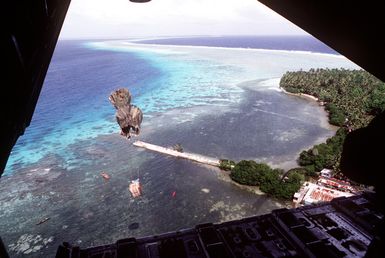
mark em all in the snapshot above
pixel 352 98
pixel 336 116
pixel 226 164
pixel 249 172
pixel 178 147
pixel 302 171
pixel 324 155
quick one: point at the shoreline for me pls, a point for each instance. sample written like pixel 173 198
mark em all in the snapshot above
pixel 324 122
pixel 301 95
pixel 96 197
pixel 225 176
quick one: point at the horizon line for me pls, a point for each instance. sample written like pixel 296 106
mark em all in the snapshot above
pixel 185 36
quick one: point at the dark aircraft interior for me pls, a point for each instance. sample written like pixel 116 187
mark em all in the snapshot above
pixel 355 29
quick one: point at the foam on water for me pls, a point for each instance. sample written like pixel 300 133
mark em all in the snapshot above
pixel 215 102
pixel 161 78
pixel 179 83
pixel 186 81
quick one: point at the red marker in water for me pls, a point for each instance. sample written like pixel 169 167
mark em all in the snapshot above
pixel 105 175
pixel 173 194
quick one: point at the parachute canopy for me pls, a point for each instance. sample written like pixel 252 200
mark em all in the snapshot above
pixel 129 117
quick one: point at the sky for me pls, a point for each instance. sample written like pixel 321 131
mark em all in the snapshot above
pixel 124 19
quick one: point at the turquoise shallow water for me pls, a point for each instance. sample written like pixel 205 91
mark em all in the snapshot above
pixel 215 102
pixel 184 81
pixel 74 103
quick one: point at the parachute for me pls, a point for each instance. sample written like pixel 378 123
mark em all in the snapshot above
pixel 129 117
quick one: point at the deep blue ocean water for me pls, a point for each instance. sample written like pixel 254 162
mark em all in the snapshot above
pixel 54 169
pixel 74 100
pixel 73 104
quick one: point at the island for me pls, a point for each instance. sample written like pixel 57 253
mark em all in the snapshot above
pixel 352 99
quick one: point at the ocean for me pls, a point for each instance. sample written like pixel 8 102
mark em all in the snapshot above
pixel 216 96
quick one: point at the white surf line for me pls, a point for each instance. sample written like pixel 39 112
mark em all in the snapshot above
pixel 174 48
pixel 303 52
pixel 190 156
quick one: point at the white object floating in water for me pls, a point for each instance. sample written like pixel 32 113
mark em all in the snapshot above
pixel 135 188
pixel 205 190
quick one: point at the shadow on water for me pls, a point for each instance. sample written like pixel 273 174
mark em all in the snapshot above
pixel 133 226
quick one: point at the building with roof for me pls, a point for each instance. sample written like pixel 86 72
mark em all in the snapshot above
pixel 313 193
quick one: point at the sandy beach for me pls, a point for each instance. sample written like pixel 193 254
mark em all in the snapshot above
pixel 218 102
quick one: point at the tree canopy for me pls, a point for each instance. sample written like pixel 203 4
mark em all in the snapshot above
pixel 249 172
pixel 351 97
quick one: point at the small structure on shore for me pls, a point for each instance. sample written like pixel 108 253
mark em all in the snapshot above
pixel 326 173
pixel 311 193
pixel 324 190
pixel 178 147
pixel 129 117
